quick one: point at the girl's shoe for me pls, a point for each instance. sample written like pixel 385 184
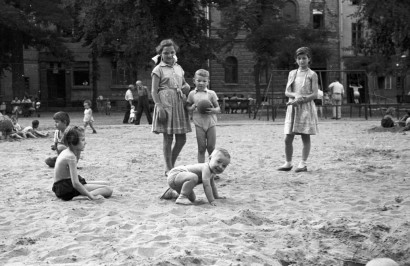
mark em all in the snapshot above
pixel 301 169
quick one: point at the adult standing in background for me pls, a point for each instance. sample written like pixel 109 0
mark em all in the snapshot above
pixel 337 91
pixel 169 90
pixel 143 102
pixel 129 97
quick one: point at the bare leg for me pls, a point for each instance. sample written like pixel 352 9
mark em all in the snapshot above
pixel 180 140
pixel 201 140
pixel 92 127
pixel 211 140
pixel 167 151
pixel 289 149
pixel 30 135
pixel 96 190
pixel 187 181
pixel 306 149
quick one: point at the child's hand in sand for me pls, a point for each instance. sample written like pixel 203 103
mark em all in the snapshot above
pixel 98 197
pixel 213 203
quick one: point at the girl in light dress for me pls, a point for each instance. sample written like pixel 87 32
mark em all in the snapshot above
pixel 301 114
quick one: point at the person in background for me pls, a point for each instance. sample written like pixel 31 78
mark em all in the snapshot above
pixel 337 92
pixel 143 102
pixel 129 98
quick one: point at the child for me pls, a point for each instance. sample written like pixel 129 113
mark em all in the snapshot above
pixel 108 107
pixel 67 183
pixel 301 115
pixel 61 122
pixel 403 119
pixel 132 115
pixel 387 120
pixel 32 132
pixel 17 129
pixel 88 116
pixel 183 179
pixel 205 124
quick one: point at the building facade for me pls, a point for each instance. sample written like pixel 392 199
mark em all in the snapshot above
pixel 61 85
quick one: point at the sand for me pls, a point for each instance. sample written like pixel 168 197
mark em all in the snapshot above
pixel 353 204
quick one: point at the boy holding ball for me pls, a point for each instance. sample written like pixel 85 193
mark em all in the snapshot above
pixel 204 118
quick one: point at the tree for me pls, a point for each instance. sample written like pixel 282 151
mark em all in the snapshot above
pixel 129 31
pixel 29 23
pixel 272 39
pixel 388 24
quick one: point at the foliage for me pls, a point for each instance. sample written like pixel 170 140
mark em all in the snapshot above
pixel 389 24
pixel 272 39
pixel 130 30
pixel 388 35
pixel 35 22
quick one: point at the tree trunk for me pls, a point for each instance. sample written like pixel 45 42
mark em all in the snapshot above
pixel 17 67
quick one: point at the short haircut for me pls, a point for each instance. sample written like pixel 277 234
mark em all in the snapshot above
pixel 166 43
pixel 72 135
pixel 202 72
pixel 303 50
pixel 390 111
pixel 35 123
pixel 63 117
pixel 14 118
pixel 88 102
pixel 223 151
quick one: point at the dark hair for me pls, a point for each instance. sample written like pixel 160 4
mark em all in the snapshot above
pixel 63 117
pixel 166 43
pixel 72 135
pixel 35 123
pixel 88 102
pixel 303 50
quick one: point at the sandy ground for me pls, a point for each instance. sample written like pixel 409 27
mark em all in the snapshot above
pixel 352 205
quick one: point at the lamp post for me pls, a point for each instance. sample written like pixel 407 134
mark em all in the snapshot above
pixel 401 74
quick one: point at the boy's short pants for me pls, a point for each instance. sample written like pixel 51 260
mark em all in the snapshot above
pixel 173 174
pixel 64 188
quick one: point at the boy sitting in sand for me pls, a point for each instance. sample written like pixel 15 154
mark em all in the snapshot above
pixel 61 122
pixel 67 183
pixel 387 120
pixel 183 179
pixel 32 132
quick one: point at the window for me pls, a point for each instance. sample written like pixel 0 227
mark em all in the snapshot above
pixel 81 74
pixel 355 2
pixel 289 11
pixel 119 74
pixel 384 83
pixel 231 70
pixel 357 34
pixel 318 22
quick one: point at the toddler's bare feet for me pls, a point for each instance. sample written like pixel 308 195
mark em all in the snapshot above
pixel 183 200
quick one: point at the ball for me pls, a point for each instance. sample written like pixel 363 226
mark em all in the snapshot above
pixel 203 106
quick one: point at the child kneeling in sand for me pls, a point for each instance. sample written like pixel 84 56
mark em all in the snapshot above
pixel 67 183
pixel 183 179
